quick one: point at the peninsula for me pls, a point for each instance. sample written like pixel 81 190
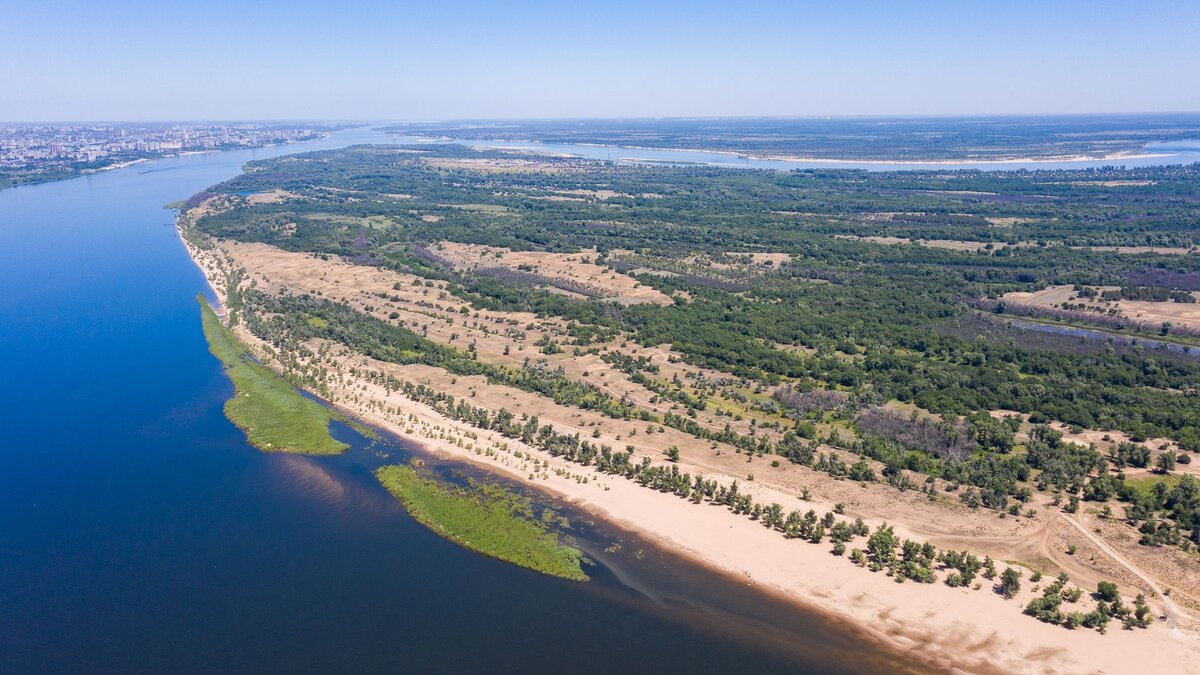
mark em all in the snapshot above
pixel 809 379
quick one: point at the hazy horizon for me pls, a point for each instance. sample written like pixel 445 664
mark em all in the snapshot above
pixel 381 121
pixel 136 61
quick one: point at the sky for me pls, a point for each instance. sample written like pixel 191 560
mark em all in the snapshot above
pixel 216 60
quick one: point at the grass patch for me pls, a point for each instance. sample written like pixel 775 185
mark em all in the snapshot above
pixel 273 415
pixel 481 208
pixel 1039 566
pixel 1145 484
pixel 485 519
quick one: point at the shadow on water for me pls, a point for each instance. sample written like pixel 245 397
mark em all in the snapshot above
pixel 626 569
pixel 141 533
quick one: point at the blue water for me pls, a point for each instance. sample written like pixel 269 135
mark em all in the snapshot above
pixel 140 533
pixel 1156 154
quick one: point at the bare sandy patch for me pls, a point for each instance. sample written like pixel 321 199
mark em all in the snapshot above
pixel 272 197
pixel 1175 313
pixel 1004 221
pixel 1114 183
pixel 763 259
pixel 874 239
pixel 497 165
pixel 577 271
pixel 948 244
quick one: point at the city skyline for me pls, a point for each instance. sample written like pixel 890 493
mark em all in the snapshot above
pixel 35 153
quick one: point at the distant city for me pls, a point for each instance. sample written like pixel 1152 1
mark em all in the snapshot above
pixel 37 153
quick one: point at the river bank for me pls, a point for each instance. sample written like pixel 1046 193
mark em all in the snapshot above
pixel 1151 155
pixel 947 627
pixel 903 163
pixel 145 532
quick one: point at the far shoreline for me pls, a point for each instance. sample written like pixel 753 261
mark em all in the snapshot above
pixel 837 163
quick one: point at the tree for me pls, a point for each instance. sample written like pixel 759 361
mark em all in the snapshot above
pixel 1141 617
pixel 1010 582
pixel 1107 591
pixel 881 547
pixel 1165 462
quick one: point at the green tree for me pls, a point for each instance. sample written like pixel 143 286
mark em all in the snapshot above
pixel 1107 591
pixel 1010 582
pixel 1165 462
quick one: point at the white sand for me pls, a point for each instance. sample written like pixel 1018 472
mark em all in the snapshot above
pixel 963 629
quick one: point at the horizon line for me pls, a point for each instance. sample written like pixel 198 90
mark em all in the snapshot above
pixel 845 116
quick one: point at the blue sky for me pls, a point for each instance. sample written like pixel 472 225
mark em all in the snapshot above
pixel 137 60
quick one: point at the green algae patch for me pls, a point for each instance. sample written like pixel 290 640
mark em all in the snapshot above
pixel 485 519
pixel 273 415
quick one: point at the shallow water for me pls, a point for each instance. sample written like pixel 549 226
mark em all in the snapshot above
pixel 141 533
pixel 1154 154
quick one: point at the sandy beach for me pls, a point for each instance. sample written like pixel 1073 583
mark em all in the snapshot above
pixel 953 628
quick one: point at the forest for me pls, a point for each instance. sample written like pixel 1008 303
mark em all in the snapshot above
pixel 845 327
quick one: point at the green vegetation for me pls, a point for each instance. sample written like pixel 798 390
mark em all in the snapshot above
pixel 904 560
pixel 274 416
pixel 1147 486
pixel 1010 582
pixel 486 519
pixel 871 323
pixel 871 362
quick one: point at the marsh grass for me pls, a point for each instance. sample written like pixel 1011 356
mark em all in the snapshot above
pixel 273 415
pixel 486 519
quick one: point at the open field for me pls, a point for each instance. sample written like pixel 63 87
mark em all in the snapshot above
pixel 571 270
pixel 272 197
pixel 1175 313
pixel 948 244
pixel 498 165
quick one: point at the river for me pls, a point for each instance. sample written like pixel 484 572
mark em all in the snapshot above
pixel 1154 154
pixel 140 532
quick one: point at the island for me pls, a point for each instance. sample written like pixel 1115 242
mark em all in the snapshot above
pixel 948 140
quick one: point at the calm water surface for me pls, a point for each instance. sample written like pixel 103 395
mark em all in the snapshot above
pixel 139 532
pixel 1155 154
